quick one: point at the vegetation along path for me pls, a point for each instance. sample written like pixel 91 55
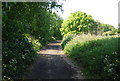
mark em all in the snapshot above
pixel 51 63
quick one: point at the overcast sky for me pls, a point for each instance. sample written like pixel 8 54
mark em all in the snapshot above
pixel 106 11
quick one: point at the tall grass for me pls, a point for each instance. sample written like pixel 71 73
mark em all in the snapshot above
pixel 68 37
pixel 99 56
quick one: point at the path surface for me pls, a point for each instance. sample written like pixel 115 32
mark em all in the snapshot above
pixel 51 63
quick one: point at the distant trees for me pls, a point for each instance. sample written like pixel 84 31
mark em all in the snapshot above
pixel 57 21
pixel 80 22
pixel 105 29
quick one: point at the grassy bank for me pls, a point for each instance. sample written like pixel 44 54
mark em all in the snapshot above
pixel 99 56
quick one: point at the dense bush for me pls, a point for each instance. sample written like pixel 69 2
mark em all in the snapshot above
pixel 25 28
pixel 106 29
pixel 99 56
pixel 56 29
pixel 17 54
pixel 35 42
pixel 73 44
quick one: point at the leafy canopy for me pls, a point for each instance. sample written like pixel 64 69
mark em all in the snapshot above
pixel 78 22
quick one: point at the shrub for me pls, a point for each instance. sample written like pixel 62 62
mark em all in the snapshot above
pixel 109 33
pixel 98 56
pixel 18 54
pixel 35 42
pixel 79 39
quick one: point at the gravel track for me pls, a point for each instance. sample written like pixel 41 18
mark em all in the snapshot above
pixel 51 63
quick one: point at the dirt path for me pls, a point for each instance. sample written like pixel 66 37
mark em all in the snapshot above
pixel 51 63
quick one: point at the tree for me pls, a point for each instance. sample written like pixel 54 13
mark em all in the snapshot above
pixel 104 28
pixel 21 21
pixel 78 22
pixel 57 25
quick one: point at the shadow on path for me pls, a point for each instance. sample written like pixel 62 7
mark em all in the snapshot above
pixel 51 63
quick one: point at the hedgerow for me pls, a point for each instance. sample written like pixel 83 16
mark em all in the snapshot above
pixel 26 27
pixel 99 56
pixel 17 54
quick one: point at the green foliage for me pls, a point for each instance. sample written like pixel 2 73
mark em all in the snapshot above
pixel 79 39
pixel 17 54
pixel 106 29
pixel 25 28
pixel 68 37
pixel 57 21
pixel 119 29
pixel 78 22
pixel 99 56
pixel 35 42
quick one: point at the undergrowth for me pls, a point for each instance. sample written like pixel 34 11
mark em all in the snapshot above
pixel 99 56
